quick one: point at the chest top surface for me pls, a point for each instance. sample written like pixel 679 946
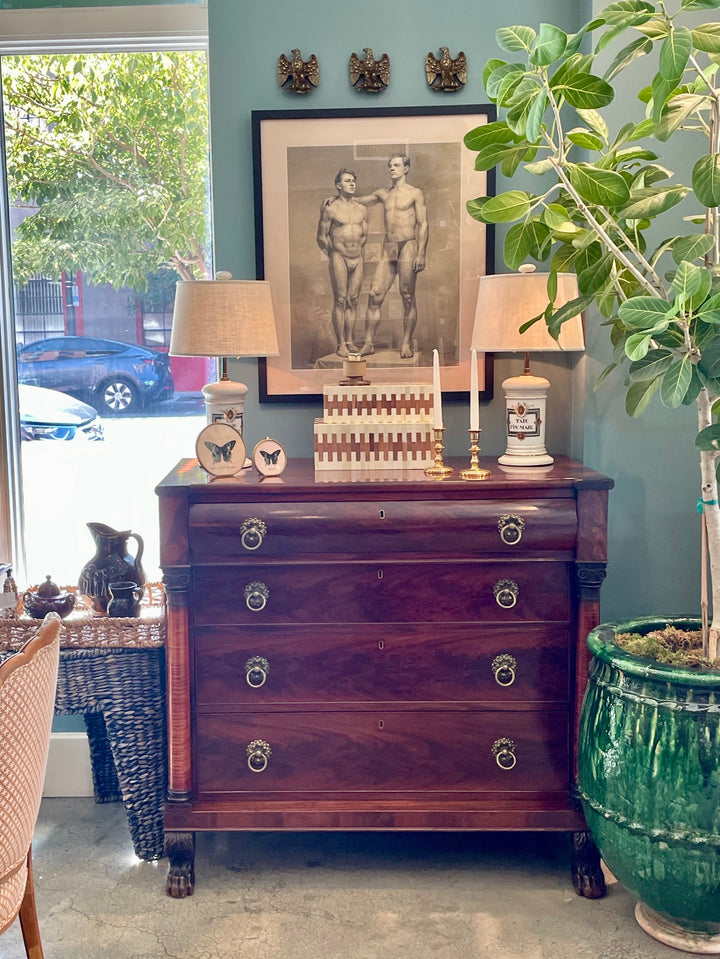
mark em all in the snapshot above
pixel 300 481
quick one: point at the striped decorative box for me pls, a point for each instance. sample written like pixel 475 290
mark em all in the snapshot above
pixel 374 427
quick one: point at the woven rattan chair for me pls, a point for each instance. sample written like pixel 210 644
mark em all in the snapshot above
pixel 27 697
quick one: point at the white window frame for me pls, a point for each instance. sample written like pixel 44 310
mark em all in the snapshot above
pixel 64 30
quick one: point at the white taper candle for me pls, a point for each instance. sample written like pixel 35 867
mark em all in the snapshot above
pixel 474 394
pixel 437 395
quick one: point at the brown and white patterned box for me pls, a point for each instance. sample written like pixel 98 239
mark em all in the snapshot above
pixel 375 427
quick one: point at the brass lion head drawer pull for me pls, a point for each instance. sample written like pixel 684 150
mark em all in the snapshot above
pixel 256 596
pixel 511 528
pixel 503 667
pixel 258 753
pixel 256 671
pixel 252 533
pixel 504 752
pixel 506 593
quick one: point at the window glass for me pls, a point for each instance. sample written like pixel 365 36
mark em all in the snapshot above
pixel 107 163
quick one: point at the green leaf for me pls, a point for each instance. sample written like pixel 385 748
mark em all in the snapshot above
pixel 585 139
pixel 674 53
pixel 548 46
pixel 710 360
pixel 595 276
pixel 524 240
pixel 693 391
pixel 507 207
pixel 566 312
pixel 637 345
pixel 625 12
pixel 639 395
pixel 475 208
pixel 708 440
pixel 540 166
pixel 700 4
pixel 638 48
pixel 503 80
pixel 643 312
pixel 654 364
pixel 517 246
pixel 564 258
pixel 604 187
pixel 514 39
pixel 706 180
pixel 596 122
pixel 676 112
pixel 706 37
pixel 655 29
pixel 490 67
pixel 676 382
pixel 585 91
pixel 687 280
pixel 556 216
pixel 651 201
pixel 493 153
pixel 535 116
pixel 487 133
pixel 662 90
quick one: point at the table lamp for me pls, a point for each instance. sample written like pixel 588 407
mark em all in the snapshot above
pixel 506 301
pixel 223 317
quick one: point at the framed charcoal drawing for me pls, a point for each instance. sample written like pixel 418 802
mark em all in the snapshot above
pixel 362 230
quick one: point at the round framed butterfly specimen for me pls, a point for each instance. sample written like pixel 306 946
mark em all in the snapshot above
pixel 220 449
pixel 269 458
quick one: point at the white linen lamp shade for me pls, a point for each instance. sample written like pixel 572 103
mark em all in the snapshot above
pixel 505 302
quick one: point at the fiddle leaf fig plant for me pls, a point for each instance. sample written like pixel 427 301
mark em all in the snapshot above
pixel 602 192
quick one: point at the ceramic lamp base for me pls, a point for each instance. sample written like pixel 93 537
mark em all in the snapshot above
pixel 674 935
pixel 225 403
pixel 525 405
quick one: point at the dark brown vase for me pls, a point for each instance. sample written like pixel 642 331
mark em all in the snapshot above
pixel 111 563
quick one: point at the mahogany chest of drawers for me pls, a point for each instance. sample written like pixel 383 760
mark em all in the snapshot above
pixel 386 652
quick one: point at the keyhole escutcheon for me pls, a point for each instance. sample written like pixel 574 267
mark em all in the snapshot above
pixel 380 574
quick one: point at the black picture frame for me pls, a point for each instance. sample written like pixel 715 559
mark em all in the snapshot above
pixel 296 157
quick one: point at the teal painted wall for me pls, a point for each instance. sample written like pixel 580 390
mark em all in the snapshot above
pixel 654 544
pixel 246 40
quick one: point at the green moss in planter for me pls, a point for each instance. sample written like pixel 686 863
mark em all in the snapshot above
pixel 673 646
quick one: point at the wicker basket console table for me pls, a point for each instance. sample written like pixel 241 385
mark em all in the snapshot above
pixel 112 672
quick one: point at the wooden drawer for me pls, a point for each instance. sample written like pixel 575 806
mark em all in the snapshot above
pixel 401 663
pixel 382 593
pixel 433 751
pixel 453 528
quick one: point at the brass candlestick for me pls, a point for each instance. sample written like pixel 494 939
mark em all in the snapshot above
pixel 439 470
pixel 474 471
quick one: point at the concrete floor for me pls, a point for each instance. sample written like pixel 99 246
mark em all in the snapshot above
pixel 318 896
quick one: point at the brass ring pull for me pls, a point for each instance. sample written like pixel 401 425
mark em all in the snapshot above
pixel 511 528
pixel 258 753
pixel 506 593
pixel 504 752
pixel 253 531
pixel 256 596
pixel 256 671
pixel 503 667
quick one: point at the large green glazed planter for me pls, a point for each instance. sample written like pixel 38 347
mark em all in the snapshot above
pixel 649 779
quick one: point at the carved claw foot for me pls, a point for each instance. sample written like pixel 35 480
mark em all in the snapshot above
pixel 180 848
pixel 587 874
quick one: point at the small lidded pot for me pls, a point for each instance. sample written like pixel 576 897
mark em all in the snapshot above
pixel 354 367
pixel 48 598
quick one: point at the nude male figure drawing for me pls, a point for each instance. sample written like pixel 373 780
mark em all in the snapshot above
pixel 341 234
pixel 404 250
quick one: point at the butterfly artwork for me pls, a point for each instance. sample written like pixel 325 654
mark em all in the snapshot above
pixel 219 453
pixel 271 458
pixel 220 450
